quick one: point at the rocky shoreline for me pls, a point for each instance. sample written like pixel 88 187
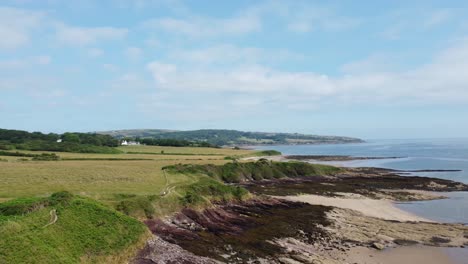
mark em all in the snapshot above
pixel 333 157
pixel 268 229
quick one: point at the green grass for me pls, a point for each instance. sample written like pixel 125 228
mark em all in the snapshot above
pixel 86 231
pixel 262 169
pixel 98 223
pixel 97 219
pixel 208 190
pixel 262 153
pixel 101 176
pixel 184 150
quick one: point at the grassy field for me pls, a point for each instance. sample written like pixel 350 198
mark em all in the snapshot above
pixel 102 176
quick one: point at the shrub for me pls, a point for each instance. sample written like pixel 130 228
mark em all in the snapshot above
pixel 46 157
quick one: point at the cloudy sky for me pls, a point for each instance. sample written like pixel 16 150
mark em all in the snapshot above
pixel 371 69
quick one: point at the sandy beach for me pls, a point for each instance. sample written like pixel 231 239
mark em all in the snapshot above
pixel 383 209
pixel 364 219
pixel 410 254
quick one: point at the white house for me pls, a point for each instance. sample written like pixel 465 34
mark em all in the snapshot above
pixel 59 140
pixel 129 143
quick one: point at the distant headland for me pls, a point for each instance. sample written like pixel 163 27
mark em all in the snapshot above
pixel 224 137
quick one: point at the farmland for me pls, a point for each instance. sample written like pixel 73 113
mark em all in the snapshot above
pixel 102 176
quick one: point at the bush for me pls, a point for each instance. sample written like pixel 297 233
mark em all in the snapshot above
pixel 22 206
pixel 46 157
pixel 133 204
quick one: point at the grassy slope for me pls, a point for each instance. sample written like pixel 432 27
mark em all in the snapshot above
pixel 86 231
pixel 253 171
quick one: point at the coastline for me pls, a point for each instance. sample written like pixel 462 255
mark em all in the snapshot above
pixel 345 216
pixel 359 218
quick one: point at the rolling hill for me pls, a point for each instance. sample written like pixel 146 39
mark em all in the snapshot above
pixel 222 137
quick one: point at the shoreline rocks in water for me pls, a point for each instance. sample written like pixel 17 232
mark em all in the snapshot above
pixel 334 157
pixel 374 183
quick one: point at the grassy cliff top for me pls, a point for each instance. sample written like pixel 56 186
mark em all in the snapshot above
pixel 64 228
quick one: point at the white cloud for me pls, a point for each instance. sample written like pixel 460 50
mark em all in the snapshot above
pixel 16 26
pixel 326 22
pixel 204 27
pixel 442 80
pixel 15 64
pixel 300 26
pixel 152 42
pixel 373 63
pixel 410 21
pixel 438 17
pixel 110 67
pixel 304 16
pixel 128 81
pixel 95 52
pixel 133 53
pixel 228 54
pixel 161 71
pixel 82 36
pixel 174 5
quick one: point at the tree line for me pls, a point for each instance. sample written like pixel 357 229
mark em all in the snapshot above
pixel 67 142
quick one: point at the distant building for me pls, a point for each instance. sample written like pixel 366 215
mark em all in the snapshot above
pixel 129 143
pixel 59 140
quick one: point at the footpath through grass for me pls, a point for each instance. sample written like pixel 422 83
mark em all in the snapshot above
pixel 86 231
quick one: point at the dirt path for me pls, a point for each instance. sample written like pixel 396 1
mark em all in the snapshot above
pixel 167 190
pixel 53 218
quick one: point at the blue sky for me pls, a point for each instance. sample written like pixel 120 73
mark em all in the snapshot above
pixel 371 69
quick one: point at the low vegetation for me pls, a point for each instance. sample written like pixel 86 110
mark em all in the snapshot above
pixel 208 190
pixel 234 172
pixel 220 137
pixel 173 142
pixel 42 156
pixel 85 231
pixel 67 142
pixel 263 153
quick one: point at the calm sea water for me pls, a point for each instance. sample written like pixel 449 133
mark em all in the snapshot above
pixel 416 155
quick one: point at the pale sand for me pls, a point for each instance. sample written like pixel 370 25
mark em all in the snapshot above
pixel 383 209
pixel 400 255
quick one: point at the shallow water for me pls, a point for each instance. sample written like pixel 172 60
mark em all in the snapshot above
pixel 418 154
pixel 451 210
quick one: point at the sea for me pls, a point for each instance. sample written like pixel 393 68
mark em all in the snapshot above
pixel 414 154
